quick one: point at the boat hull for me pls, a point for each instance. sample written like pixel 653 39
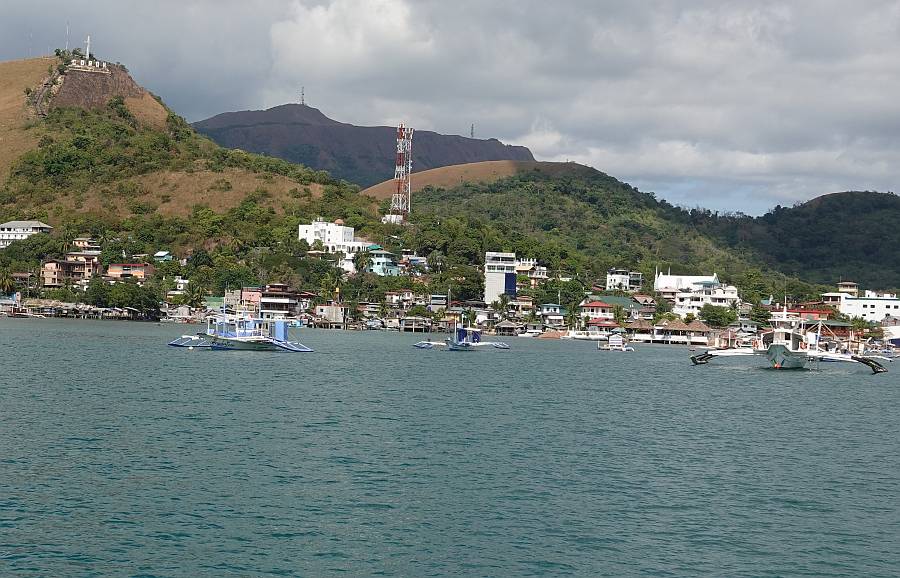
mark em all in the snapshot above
pixel 780 357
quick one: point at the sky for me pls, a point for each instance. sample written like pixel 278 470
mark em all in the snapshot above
pixel 729 105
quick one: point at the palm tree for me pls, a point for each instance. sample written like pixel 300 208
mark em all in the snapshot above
pixel 195 296
pixel 469 317
pixel 361 261
pixel 7 283
pixel 504 305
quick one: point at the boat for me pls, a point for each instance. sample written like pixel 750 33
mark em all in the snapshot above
pixel 462 339
pixel 793 343
pixel 582 335
pixel 616 342
pixel 241 332
pixel 530 333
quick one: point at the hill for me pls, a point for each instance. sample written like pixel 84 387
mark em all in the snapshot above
pixel 850 235
pixel 15 77
pixel 360 154
pixel 482 172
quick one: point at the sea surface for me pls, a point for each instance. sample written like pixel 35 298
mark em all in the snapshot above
pixel 120 456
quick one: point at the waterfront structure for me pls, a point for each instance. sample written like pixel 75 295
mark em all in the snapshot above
pixel 669 285
pixel 871 306
pixel 139 271
pixel 335 238
pixel 277 301
pixel 618 279
pixel 11 231
pixel 499 275
pixel 553 314
pixel 331 315
pixel 692 300
pixel 591 310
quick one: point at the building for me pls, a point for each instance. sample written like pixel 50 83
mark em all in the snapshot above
pixel 277 301
pixel 162 256
pixel 85 244
pixel 872 306
pixel 669 285
pixel 693 299
pixel 139 271
pixel 19 230
pixel 499 275
pixel 596 310
pixel 77 268
pixel 553 314
pixel 334 238
pixel 331 315
pixel 848 287
pixel 382 263
pixel 624 280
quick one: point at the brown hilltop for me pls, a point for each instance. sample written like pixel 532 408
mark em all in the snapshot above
pixel 483 172
pixel 94 90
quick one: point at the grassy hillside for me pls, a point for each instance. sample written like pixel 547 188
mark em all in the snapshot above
pixel 15 138
pixel 581 222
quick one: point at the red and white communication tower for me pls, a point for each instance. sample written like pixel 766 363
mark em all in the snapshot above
pixel 402 197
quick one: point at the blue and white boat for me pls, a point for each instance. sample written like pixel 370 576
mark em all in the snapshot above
pixel 462 339
pixel 241 332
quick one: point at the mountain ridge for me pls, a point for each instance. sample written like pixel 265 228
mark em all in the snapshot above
pixel 364 155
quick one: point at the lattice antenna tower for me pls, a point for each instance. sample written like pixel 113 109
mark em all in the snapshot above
pixel 402 197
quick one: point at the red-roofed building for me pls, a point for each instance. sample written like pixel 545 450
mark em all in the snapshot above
pixel 596 310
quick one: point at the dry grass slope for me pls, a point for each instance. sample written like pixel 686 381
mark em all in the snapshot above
pixel 483 172
pixel 15 76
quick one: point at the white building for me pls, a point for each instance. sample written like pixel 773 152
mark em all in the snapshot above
pixel 704 293
pixel 669 285
pixel 624 280
pixel 872 306
pixel 335 238
pixel 18 230
pixel 499 275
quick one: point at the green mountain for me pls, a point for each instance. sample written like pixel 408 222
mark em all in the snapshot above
pixel 850 236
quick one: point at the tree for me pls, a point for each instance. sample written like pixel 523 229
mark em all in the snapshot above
pixel 689 317
pixel 361 261
pixel 7 283
pixel 195 296
pixel 717 316
pixel 619 314
pixel 760 314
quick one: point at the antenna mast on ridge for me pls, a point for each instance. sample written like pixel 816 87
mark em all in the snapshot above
pixel 401 200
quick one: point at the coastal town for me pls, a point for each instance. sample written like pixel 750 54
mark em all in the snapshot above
pixel 693 310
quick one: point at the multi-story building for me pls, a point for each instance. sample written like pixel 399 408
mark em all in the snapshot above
pixel 669 285
pixel 703 293
pixel 872 306
pixel 77 269
pixel 382 263
pixel 499 275
pixel 596 310
pixel 19 230
pixel 277 301
pixel 624 280
pixel 335 238
pixel 553 314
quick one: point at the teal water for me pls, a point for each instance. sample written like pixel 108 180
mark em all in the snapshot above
pixel 120 456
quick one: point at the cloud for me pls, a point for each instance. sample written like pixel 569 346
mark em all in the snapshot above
pixel 727 104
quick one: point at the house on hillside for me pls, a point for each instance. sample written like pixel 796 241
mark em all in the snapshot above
pixel 596 310
pixel 11 231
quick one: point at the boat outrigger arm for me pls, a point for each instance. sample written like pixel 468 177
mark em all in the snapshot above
pixel 870 361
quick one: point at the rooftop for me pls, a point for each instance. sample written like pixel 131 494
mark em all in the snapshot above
pixel 25 224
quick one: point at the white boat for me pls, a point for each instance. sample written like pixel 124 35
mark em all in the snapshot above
pixel 241 332
pixel 530 333
pixel 462 339
pixel 582 335
pixel 792 343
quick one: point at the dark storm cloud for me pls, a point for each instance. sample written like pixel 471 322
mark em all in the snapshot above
pixel 733 105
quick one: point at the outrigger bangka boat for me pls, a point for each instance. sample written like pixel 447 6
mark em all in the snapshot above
pixel 788 346
pixel 463 339
pixel 242 332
